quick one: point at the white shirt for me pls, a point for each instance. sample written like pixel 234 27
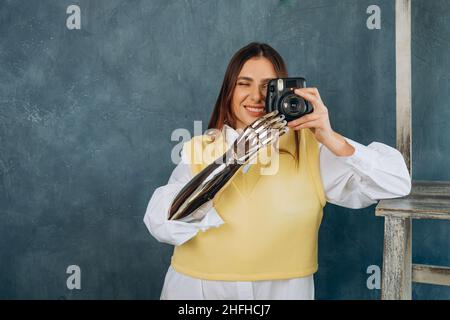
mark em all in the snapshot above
pixel 372 173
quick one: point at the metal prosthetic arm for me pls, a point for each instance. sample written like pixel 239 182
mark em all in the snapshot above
pixel 205 185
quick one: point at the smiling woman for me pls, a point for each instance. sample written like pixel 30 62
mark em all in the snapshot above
pixel 259 236
pixel 244 86
pixel 250 91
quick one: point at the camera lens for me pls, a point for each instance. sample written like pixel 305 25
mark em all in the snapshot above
pixel 292 105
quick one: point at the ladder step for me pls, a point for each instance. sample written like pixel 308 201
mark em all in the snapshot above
pixel 423 273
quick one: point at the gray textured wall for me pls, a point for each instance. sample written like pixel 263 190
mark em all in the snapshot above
pixel 86 117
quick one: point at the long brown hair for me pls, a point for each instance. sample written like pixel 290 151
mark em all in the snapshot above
pixel 223 112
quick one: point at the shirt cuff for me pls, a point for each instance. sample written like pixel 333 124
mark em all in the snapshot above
pixel 186 228
pixel 363 159
pixel 208 217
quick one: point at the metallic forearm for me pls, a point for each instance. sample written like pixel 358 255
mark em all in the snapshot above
pixel 207 183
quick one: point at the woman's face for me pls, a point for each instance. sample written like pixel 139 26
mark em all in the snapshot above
pixel 250 92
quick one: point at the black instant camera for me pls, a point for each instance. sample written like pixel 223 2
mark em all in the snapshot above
pixel 280 96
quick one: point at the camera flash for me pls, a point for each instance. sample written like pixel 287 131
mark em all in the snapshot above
pixel 280 85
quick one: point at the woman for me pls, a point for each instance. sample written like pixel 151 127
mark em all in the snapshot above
pixel 264 241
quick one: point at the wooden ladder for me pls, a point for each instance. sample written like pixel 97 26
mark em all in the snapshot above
pixel 428 199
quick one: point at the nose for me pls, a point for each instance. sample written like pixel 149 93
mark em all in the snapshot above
pixel 256 94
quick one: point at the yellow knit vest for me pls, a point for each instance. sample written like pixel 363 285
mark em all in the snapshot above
pixel 271 221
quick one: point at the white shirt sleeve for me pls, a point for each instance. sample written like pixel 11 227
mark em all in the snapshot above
pixel 177 232
pixel 372 173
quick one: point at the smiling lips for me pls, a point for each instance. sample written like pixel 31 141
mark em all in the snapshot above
pixel 255 110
